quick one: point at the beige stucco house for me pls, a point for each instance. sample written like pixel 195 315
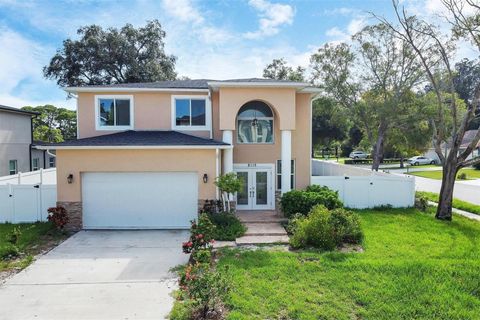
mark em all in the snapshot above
pixel 147 154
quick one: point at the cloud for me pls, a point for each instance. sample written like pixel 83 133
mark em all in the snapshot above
pixel 355 25
pixel 183 10
pixel 272 17
pixel 343 11
pixel 21 62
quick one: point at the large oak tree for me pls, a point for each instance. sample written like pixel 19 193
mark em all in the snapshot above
pixel 112 56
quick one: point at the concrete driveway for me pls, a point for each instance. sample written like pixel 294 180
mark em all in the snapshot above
pixel 98 275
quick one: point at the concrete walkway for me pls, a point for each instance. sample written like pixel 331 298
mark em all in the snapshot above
pixel 263 227
pixel 98 275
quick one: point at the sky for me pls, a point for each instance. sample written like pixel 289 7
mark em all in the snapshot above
pixel 211 39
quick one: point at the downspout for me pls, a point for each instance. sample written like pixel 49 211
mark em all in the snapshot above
pixel 211 113
pixel 31 143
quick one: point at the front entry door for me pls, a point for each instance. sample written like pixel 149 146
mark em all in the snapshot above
pixel 256 193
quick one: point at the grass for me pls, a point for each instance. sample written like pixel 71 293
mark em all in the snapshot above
pixel 458 204
pixel 34 238
pixel 471 174
pixel 413 267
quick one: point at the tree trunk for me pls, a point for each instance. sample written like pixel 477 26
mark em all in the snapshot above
pixel 378 148
pixel 444 209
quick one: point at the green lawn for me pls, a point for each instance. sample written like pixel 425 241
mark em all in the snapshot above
pixel 459 204
pixel 413 267
pixel 471 174
pixel 35 237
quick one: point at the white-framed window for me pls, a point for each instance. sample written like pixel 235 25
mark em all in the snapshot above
pixel 279 175
pixel 51 162
pixel 35 164
pixel 114 112
pixel 191 113
pixel 255 124
pixel 12 167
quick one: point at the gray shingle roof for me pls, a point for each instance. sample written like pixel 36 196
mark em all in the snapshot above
pixel 140 138
pixel 12 109
pixel 183 84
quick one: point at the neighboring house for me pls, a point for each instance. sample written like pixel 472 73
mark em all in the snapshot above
pixel 18 152
pixel 147 154
pixel 467 139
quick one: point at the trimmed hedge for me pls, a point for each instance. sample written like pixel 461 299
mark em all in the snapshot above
pixel 302 201
pixel 228 226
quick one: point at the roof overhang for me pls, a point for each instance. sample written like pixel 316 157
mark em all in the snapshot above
pixel 136 147
pixel 301 87
pixel 123 89
pixel 262 84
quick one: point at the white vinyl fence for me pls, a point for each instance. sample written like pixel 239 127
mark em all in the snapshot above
pixel 43 176
pixel 361 188
pixel 26 202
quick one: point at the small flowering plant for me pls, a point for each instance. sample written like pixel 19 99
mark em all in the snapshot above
pixel 201 235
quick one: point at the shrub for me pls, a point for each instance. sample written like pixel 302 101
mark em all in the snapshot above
pixel 325 229
pixel 58 216
pixel 346 226
pixel 14 235
pixel 227 226
pixel 9 251
pixel 201 234
pixel 202 256
pixel 421 202
pixel 462 176
pixel 297 201
pixel 314 230
pixel 476 166
pixel 204 288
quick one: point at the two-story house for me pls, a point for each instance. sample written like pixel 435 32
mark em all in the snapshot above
pixel 18 151
pixel 147 154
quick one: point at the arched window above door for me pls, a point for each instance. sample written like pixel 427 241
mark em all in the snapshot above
pixel 255 123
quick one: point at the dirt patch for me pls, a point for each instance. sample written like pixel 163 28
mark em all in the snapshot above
pixel 45 243
pixel 348 248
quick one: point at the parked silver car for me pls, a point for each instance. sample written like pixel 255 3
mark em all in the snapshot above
pixel 358 155
pixel 419 160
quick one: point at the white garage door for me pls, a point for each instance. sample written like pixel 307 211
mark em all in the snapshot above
pixel 151 200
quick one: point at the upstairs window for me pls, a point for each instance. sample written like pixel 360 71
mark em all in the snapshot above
pixel 114 112
pixel 255 123
pixel 12 167
pixel 190 113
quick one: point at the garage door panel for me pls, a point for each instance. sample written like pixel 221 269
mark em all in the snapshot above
pixel 139 200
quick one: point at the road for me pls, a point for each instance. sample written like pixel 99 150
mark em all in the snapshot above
pixel 464 190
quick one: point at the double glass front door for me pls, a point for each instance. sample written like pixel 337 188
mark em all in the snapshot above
pixel 256 193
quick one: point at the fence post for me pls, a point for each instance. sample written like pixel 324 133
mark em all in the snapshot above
pixel 41 175
pixel 19 177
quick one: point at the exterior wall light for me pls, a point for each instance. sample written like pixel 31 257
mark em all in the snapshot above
pixel 205 178
pixel 70 178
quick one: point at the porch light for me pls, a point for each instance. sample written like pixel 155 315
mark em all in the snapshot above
pixel 70 178
pixel 205 178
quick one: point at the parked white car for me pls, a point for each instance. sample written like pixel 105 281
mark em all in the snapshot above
pixel 358 155
pixel 420 160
